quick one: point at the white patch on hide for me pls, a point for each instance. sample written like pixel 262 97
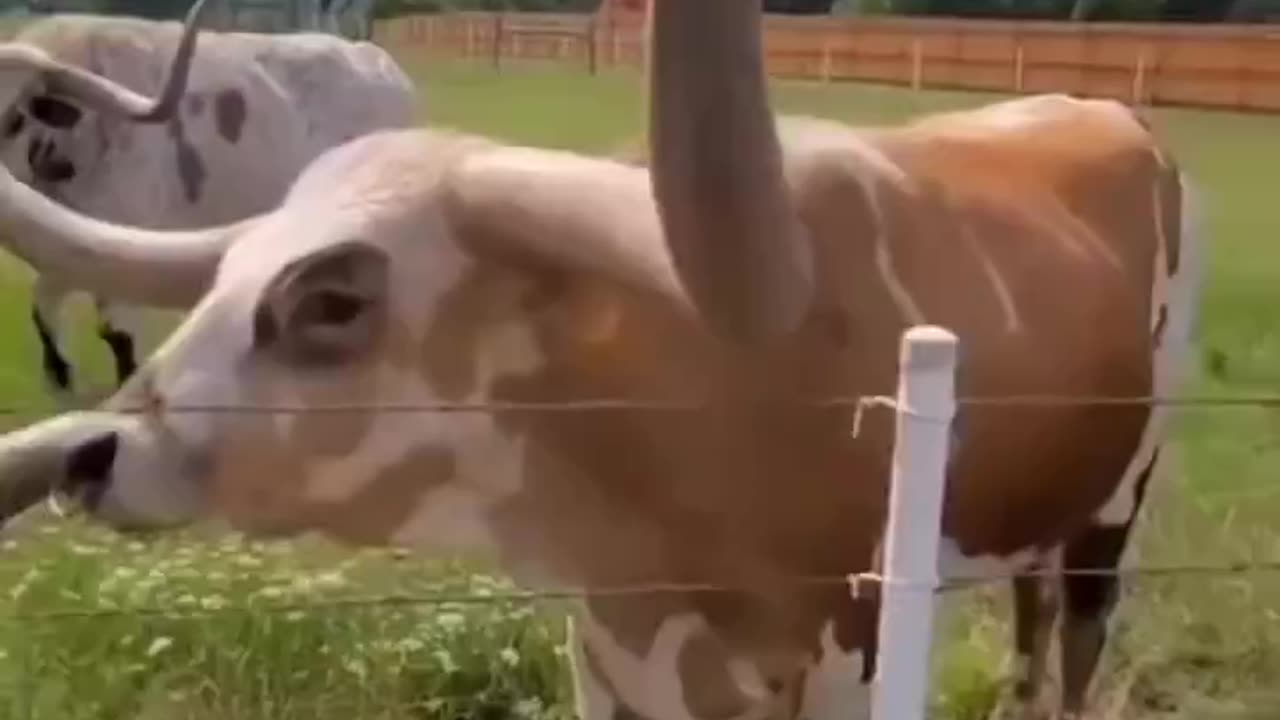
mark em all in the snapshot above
pixel 833 687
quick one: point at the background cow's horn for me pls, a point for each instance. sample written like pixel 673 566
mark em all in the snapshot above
pixel 151 267
pixel 108 96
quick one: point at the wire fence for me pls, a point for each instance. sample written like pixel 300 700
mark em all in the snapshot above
pixel 855 583
pixel 856 401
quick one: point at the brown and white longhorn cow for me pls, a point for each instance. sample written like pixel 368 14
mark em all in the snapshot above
pixel 752 270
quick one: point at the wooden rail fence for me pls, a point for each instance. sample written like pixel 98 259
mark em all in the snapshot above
pixel 1215 66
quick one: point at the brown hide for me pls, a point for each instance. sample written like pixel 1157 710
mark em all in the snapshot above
pixel 1036 247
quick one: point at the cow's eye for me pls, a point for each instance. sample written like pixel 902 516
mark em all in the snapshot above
pixel 329 307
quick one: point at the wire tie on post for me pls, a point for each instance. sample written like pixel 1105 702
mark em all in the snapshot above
pixel 867 402
pixel 875 401
pixel 860 583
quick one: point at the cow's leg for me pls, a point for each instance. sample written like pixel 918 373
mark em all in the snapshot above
pixel 1035 608
pixel 646 659
pixel 1088 599
pixel 118 329
pixel 837 683
pixel 592 697
pixel 46 315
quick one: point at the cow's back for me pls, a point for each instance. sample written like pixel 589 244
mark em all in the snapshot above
pixel 340 89
pixel 1031 228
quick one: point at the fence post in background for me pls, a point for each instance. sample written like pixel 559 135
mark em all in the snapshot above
pixel 826 60
pixel 1140 76
pixel 499 29
pixel 1018 68
pixel 613 33
pixel 917 64
pixel 925 405
pixel 593 46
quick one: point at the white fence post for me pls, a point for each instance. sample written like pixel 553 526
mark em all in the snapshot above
pixel 925 405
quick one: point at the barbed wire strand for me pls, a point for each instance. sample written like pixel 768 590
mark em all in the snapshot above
pixel 857 402
pixel 608 404
pixel 856 582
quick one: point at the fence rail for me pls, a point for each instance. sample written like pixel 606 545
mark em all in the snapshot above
pixel 1215 66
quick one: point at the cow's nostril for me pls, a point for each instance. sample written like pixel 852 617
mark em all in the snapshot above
pixel 89 466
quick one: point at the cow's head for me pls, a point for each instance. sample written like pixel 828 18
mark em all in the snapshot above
pixel 405 267
pixel 46 102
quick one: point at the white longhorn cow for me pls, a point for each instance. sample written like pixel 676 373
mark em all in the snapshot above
pixel 752 269
pixel 258 108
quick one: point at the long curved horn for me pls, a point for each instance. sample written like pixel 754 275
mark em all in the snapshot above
pixel 150 267
pixel 108 96
pixel 717 170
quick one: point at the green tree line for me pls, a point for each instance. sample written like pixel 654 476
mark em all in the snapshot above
pixel 1208 11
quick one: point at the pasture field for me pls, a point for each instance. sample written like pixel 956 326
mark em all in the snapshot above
pixel 93 626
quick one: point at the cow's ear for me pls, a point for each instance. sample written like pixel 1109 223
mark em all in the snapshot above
pixel 327 308
pixel 54 112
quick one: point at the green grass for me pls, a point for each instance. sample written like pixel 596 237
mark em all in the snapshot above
pixel 202 628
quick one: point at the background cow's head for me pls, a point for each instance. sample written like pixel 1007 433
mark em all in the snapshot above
pixel 44 133
pixel 39 134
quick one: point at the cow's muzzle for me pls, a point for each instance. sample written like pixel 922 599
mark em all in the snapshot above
pixel 69 454
pixel 88 471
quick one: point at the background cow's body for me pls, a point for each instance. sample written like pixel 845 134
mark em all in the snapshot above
pixel 259 107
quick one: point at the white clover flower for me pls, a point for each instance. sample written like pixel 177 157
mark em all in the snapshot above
pixel 410 645
pixel 528 708
pixel 447 665
pixel 248 561
pixel 85 550
pixel 451 620
pixel 356 667
pixel 159 645
pixel 332 579
pixel 509 656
